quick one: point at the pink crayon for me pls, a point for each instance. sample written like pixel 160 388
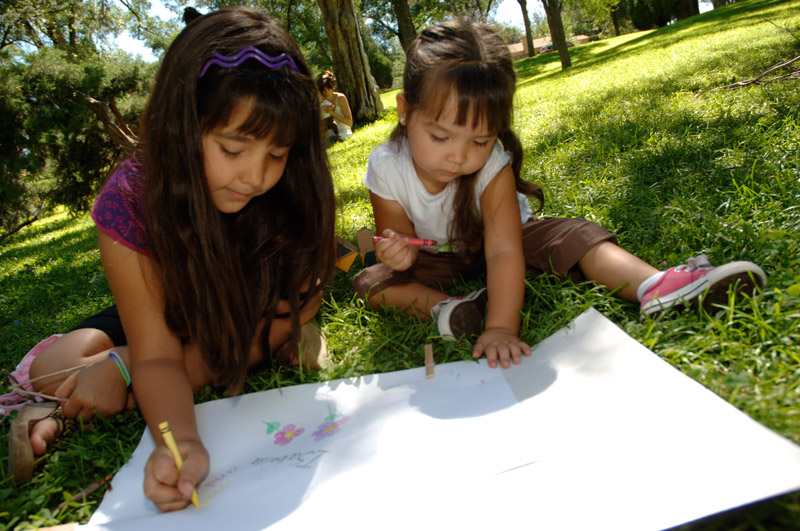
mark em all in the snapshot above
pixel 411 241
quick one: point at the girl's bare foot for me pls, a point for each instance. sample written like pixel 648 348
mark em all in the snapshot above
pixel 34 428
pixel 42 433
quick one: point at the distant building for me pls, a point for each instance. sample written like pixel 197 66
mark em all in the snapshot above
pixel 519 50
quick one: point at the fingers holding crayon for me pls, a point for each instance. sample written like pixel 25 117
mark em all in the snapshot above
pixel 394 251
pixel 171 487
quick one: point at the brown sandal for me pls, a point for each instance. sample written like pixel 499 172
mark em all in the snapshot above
pixel 21 461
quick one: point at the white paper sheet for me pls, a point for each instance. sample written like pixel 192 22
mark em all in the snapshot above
pixel 593 431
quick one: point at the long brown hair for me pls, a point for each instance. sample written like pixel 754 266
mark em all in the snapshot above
pixel 326 80
pixel 470 62
pixel 221 273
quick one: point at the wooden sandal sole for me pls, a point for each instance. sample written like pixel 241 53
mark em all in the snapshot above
pixel 21 459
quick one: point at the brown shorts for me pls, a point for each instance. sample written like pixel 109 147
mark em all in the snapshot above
pixel 552 245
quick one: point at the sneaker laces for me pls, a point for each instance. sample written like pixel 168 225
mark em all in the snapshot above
pixel 696 262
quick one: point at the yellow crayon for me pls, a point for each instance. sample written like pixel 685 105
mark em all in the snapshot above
pixel 169 440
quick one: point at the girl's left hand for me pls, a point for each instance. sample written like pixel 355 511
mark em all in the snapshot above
pixel 501 344
pixel 98 388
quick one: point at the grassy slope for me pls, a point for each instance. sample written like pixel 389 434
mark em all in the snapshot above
pixel 637 136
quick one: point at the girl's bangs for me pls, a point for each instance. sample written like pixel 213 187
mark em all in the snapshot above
pixel 270 120
pixel 276 111
pixel 475 91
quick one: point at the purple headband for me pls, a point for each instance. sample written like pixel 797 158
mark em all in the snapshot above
pixel 250 52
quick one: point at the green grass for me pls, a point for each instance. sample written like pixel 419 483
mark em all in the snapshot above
pixel 638 136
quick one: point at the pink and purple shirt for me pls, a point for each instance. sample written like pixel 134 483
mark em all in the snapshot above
pixel 118 211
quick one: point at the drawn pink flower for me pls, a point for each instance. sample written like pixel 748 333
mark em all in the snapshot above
pixel 287 434
pixel 326 429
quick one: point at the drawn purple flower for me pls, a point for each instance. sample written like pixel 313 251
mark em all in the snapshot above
pixel 326 429
pixel 287 434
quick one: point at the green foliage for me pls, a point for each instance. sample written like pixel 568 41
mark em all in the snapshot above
pixel 509 33
pixel 646 14
pixel 12 146
pixel 54 148
pixel 638 135
pixel 593 18
pixel 73 26
pixel 380 66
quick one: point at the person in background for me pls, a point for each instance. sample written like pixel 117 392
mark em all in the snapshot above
pixel 334 108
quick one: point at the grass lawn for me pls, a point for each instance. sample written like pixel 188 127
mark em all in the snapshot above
pixel 639 136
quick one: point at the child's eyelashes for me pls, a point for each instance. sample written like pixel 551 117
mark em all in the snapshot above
pixel 442 139
pixel 230 153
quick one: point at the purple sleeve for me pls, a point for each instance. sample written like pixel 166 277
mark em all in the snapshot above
pixel 117 210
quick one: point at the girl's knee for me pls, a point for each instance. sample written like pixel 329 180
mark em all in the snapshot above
pixel 72 349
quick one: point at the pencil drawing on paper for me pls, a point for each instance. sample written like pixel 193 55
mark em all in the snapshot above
pixel 285 436
pixel 271 426
pixel 329 428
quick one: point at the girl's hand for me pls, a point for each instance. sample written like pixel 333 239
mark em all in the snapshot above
pixel 168 489
pixel 98 388
pixel 501 344
pixel 395 252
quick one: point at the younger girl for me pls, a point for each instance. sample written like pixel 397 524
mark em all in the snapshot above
pixel 451 173
pixel 216 238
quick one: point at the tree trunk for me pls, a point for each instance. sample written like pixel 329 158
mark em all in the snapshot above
pixel 687 8
pixel 523 4
pixel 405 26
pixel 289 6
pixel 552 9
pixel 350 64
pixel 615 19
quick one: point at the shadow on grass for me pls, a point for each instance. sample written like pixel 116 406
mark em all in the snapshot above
pixel 666 165
pixel 591 55
pixel 62 273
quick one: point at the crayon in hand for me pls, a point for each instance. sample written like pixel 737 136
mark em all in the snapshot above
pixel 169 440
pixel 412 241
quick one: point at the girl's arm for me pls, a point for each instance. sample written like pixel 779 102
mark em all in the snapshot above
pixel 393 224
pixel 346 116
pixel 505 276
pixel 160 381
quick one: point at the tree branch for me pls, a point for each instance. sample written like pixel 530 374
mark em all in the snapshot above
pixel 764 73
pixel 786 30
pixel 26 222
pixel 120 133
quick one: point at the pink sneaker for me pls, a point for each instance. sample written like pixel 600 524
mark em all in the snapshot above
pixel 460 316
pixel 698 282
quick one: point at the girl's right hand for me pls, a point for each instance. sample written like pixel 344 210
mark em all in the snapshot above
pixel 168 489
pixel 395 252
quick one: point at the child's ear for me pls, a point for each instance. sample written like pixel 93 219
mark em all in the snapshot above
pixel 402 107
